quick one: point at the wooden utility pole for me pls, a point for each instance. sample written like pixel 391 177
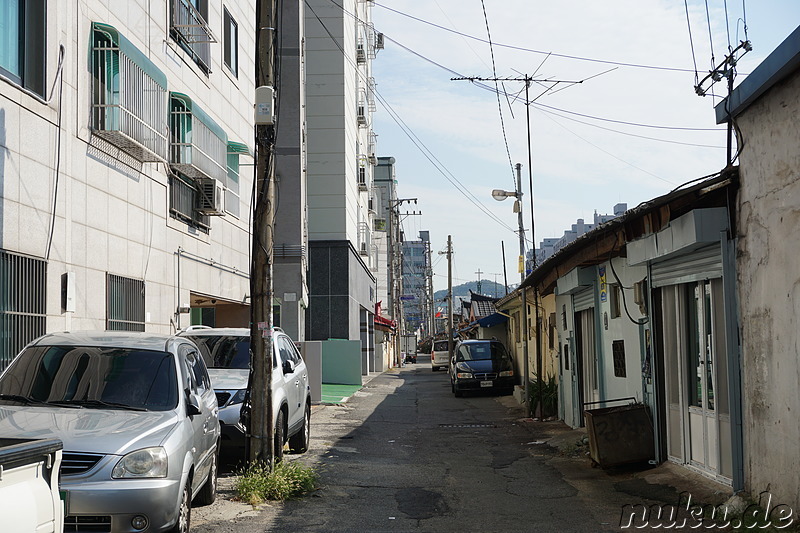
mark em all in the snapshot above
pixel 450 297
pixel 261 430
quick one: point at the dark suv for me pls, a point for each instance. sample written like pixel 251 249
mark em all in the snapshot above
pixel 481 365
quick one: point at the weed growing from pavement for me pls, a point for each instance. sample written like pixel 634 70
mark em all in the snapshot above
pixel 289 479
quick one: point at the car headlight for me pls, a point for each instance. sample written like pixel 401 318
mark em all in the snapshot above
pixel 238 397
pixel 506 373
pixel 464 375
pixel 144 463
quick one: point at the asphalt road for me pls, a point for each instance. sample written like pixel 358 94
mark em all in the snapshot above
pixel 404 454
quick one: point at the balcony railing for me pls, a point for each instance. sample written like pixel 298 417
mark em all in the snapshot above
pixel 191 30
pixel 198 146
pixel 129 97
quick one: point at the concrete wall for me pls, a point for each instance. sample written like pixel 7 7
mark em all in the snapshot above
pixel 769 285
pixel 111 212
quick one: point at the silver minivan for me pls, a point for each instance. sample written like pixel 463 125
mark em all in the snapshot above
pixel 440 356
pixel 138 418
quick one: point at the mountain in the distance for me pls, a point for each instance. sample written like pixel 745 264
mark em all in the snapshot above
pixel 488 288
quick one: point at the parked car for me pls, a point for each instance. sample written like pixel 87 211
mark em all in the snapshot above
pixel 226 352
pixel 138 420
pixel 440 355
pixel 481 365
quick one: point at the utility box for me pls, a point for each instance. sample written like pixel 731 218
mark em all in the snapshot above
pixel 265 105
pixel 619 435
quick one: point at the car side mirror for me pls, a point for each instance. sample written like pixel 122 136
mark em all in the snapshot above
pixel 288 367
pixel 192 404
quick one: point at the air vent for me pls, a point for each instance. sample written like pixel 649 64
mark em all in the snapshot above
pixel 73 464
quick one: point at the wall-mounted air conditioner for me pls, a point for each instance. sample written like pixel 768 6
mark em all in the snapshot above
pixel 363 249
pixel 210 197
pixel 379 41
pixel 361 53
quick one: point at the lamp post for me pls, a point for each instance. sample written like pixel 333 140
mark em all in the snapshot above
pixel 500 195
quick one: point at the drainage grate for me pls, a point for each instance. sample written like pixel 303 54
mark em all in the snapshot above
pixel 467 426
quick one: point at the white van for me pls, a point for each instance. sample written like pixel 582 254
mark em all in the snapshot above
pixel 440 356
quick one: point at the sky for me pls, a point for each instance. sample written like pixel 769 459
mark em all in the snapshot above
pixel 632 128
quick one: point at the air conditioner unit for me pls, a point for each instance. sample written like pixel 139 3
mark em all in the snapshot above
pixel 363 249
pixel 379 41
pixel 210 197
pixel 361 114
pixel 361 53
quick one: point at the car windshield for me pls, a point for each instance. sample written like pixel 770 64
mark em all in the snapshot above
pixel 481 351
pixel 223 351
pixel 440 346
pixel 92 377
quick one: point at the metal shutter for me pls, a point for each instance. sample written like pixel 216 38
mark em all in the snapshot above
pixel 703 263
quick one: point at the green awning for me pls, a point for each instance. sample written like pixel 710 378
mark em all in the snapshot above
pixel 235 147
pixel 200 115
pixel 136 55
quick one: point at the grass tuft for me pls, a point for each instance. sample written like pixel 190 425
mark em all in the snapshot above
pixel 289 479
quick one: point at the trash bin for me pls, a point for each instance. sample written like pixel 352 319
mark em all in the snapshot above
pixel 619 435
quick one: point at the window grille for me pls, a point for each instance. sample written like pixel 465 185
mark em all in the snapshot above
pixel 182 203
pixel 129 97
pixel 23 303
pixel 124 303
pixel 190 30
pixel 618 349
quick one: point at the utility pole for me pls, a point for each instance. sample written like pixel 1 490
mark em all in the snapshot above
pixel 431 302
pixel 450 297
pixel 395 270
pixel 478 287
pixel 261 430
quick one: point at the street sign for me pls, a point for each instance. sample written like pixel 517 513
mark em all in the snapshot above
pixel 408 297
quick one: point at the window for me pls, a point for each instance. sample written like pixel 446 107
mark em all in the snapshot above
pixel 129 96
pixel 124 303
pixel 232 200
pixel 188 27
pixel 23 298
pixel 183 197
pixel 23 38
pixel 551 323
pixel 565 356
pixel 618 349
pixel 230 40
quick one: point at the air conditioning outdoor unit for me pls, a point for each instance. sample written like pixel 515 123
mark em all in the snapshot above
pixel 210 197
pixel 363 249
pixel 361 54
pixel 379 41
pixel 361 114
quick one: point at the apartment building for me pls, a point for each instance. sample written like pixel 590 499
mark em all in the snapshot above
pixel 125 154
pixel 340 96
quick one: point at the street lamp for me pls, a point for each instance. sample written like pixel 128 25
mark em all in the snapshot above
pixel 500 195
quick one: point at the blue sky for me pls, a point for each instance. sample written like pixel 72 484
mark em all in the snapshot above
pixel 587 153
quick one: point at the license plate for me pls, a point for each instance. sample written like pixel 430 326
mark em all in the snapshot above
pixel 486 383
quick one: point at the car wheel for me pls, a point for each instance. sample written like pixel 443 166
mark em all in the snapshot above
pixel 280 438
pixel 184 510
pixel 434 368
pixel 299 442
pixel 208 493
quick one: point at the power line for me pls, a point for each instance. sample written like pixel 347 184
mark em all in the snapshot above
pixel 492 89
pixel 523 49
pixel 497 89
pixel 426 152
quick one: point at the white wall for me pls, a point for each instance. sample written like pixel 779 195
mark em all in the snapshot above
pixel 111 212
